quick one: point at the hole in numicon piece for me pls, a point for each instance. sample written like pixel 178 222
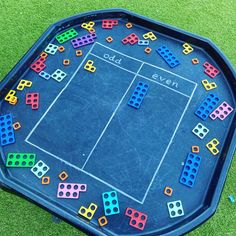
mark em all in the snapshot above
pixel 133 222
pixel 214 150
pixel 143 217
pixel 115 209
pixel 105 195
pixel 180 212
pixel 82 210
pixel 40 164
pixel 187 167
pixel 172 213
pixel 136 214
pixel 129 212
pixel 9 163
pixel 140 225
pixel 76 187
pixel 108 211
pixel 192 176
pixel 214 142
pixel 45 180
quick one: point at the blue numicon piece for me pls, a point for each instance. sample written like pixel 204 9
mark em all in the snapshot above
pixel 207 106
pixel 6 130
pixel 138 95
pixel 110 203
pixel 190 170
pixel 168 56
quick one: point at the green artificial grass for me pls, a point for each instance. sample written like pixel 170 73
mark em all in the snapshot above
pixel 21 24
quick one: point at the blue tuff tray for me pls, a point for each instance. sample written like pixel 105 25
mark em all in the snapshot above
pixel 103 132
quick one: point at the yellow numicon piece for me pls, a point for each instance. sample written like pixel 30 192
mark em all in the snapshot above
pixel 211 146
pixel 89 66
pixel 24 83
pixel 102 221
pixel 89 26
pixel 88 212
pixel 13 100
pixel 150 35
pixel 187 48
pixel 10 96
pixel 207 85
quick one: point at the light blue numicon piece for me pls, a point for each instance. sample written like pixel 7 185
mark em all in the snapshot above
pixel 110 203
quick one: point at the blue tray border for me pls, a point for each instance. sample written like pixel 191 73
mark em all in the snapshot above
pixel 210 48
